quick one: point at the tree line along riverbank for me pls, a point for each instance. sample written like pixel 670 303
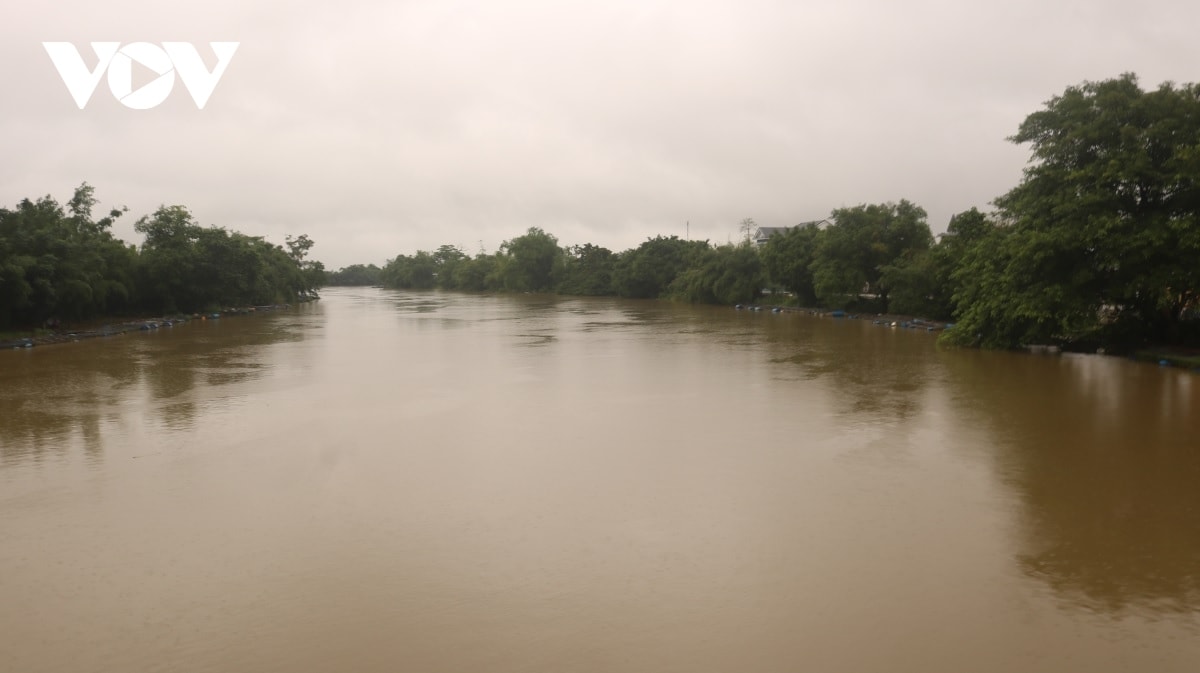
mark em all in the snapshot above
pixel 62 267
pixel 1097 247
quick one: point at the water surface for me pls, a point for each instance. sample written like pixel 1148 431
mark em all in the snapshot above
pixel 442 482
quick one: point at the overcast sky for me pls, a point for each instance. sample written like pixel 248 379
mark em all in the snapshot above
pixel 381 128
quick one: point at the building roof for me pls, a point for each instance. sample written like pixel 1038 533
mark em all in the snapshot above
pixel 763 234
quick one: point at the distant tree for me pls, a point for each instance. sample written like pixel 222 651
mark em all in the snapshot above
pixel 479 274
pixel 923 283
pixel 417 272
pixel 648 270
pixel 446 260
pixel 313 271
pixel 355 274
pixel 530 263
pixel 863 240
pixel 788 259
pixel 746 228
pixel 587 270
pixel 728 274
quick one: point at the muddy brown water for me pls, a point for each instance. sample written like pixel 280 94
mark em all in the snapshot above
pixel 391 481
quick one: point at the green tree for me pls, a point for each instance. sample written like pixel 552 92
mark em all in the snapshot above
pixel 922 282
pixel 1101 240
pixel 478 274
pixel 312 271
pixel 587 270
pixel 648 270
pixel 728 274
pixel 863 240
pixel 356 274
pixel 418 272
pixel 446 259
pixel 531 261
pixel 55 265
pixel 186 267
pixel 788 259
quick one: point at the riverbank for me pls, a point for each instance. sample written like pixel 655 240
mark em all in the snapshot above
pixel 881 319
pixel 1170 357
pixel 47 337
pixel 1164 356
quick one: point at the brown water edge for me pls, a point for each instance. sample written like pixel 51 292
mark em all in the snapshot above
pixel 93 329
pixel 429 481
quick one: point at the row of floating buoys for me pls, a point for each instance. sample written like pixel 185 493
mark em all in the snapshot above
pixel 915 323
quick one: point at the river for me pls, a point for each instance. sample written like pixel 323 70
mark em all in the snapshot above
pixel 387 481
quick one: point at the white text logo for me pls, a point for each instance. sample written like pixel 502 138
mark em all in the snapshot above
pixel 164 61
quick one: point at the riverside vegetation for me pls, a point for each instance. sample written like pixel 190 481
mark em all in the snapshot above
pixel 60 266
pixel 1098 246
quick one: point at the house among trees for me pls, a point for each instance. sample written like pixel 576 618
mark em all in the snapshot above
pixel 764 234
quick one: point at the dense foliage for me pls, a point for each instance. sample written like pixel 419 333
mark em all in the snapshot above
pixel 355 274
pixel 65 265
pixel 1098 245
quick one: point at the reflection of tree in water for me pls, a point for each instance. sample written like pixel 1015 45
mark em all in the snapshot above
pixel 48 401
pixel 1105 459
pixel 872 371
pixel 229 356
pixel 43 402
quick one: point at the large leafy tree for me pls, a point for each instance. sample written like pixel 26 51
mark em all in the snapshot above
pixel 1101 240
